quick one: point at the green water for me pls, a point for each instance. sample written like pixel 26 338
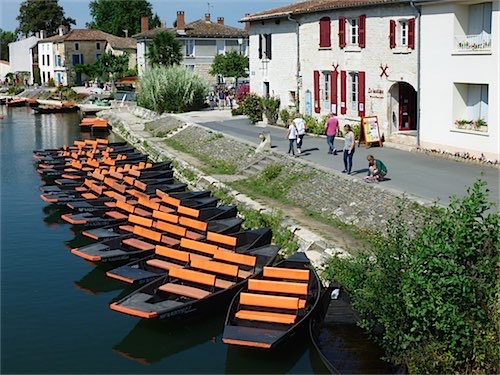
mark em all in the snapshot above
pixel 54 306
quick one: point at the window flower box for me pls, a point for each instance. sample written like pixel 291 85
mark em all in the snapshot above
pixel 479 125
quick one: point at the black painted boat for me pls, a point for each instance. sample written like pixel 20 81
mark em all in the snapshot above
pixel 274 306
pixel 200 287
pixel 204 216
pixel 49 109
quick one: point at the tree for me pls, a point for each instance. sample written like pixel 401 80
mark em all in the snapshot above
pixel 164 50
pixel 36 15
pixel 231 64
pixel 6 37
pixel 433 290
pixel 108 66
pixel 115 16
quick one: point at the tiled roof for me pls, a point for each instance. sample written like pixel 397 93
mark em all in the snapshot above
pixel 199 29
pixel 77 35
pixel 312 6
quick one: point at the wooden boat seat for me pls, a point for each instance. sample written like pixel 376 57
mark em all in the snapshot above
pixel 163 264
pixel 286 273
pixel 170 228
pixel 171 201
pixel 127 228
pixel 223 284
pixel 139 211
pixel 266 316
pixel 222 239
pixel 140 220
pixel 232 257
pixel 201 247
pixel 116 215
pixel 215 267
pixel 278 286
pixel 194 224
pixel 109 193
pixel 182 210
pixel 89 196
pixel 129 180
pixel 184 290
pixel 146 202
pixel 166 216
pixel 147 233
pixel 196 277
pixel 110 204
pixel 169 241
pixel 138 244
pixel 127 207
pixel 270 301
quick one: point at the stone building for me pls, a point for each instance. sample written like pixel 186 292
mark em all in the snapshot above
pixel 58 54
pixel 413 64
pixel 201 41
pixel 353 58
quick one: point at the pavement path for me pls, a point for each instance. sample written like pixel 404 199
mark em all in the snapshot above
pixel 431 178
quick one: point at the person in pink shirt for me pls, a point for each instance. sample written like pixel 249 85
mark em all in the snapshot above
pixel 331 127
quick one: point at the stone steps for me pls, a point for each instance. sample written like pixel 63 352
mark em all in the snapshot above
pixel 259 165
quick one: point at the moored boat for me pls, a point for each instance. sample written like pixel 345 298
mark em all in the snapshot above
pixel 49 109
pixel 198 287
pixel 274 306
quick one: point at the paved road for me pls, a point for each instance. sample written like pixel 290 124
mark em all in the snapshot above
pixel 429 177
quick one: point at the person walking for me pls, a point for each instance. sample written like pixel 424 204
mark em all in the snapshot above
pixel 331 127
pixel 349 147
pixel 291 134
pixel 211 100
pixel 222 99
pixel 300 125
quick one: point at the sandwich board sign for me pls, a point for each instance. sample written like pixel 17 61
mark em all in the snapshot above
pixel 369 131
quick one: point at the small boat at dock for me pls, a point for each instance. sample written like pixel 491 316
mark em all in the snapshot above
pixel 274 305
pixel 65 107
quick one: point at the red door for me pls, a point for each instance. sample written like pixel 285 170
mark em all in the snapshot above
pixel 407 107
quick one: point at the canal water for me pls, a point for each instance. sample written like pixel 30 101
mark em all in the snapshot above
pixel 54 306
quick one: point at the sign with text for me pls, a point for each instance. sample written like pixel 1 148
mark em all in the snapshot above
pixel 369 131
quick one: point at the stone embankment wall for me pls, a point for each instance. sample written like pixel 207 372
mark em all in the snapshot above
pixel 332 195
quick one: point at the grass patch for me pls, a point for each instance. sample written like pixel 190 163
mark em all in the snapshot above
pixel 210 166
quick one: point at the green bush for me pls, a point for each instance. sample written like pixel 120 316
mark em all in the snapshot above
pixel 237 111
pixel 433 290
pixel 252 107
pixel 172 89
pixel 271 109
pixel 314 127
pixel 285 116
pixel 14 90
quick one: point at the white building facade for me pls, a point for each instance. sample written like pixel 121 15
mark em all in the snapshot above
pixel 460 86
pixel 354 61
pixel 20 56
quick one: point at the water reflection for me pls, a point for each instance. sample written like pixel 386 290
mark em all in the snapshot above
pixel 152 340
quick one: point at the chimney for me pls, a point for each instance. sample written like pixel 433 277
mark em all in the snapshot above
pixel 42 34
pixel 60 30
pixel 247 24
pixel 220 20
pixel 207 17
pixel 144 24
pixel 162 24
pixel 181 25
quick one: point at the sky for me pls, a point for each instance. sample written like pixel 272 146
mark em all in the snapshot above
pixel 231 10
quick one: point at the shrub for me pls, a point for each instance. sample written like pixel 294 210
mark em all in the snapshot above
pixel 51 82
pixel 434 290
pixel 285 116
pixel 252 107
pixel 271 109
pixel 237 111
pixel 242 92
pixel 314 127
pixel 172 89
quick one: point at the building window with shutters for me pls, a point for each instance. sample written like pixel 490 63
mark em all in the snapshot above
pixel 189 47
pixel 265 47
pixel 77 46
pixel 353 31
pixel 402 35
pixel 353 90
pixel 325 33
pixel 98 46
pixel 471 107
pixel 326 89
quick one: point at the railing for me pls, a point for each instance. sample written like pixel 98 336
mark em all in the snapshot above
pixel 479 42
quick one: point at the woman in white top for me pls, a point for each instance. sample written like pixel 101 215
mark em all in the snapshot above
pixel 300 125
pixel 349 147
pixel 292 136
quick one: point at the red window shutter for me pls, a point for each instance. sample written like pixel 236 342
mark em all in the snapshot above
pixel 411 33
pixel 342 22
pixel 343 106
pixel 333 91
pixel 392 34
pixel 317 99
pixel 361 94
pixel 362 31
pixel 324 32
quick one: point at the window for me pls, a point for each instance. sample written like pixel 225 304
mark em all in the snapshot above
pixel 478 28
pixel 77 46
pixel 470 106
pixel 353 92
pixel 189 47
pixel 76 60
pixel 48 60
pixel 353 31
pixel 265 46
pixel 403 33
pixel 58 60
pixel 43 59
pixel 324 33
pixel 326 89
pixel 98 46
pixel 97 56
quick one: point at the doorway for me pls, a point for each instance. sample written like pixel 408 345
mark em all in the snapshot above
pixel 407 107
